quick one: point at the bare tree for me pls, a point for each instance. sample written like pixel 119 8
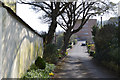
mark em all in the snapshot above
pixel 52 10
pixel 82 10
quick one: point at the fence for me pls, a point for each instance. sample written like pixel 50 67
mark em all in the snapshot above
pixel 19 44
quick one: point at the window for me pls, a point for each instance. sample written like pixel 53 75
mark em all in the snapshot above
pixel 84 29
pixel 85 25
pixel 85 33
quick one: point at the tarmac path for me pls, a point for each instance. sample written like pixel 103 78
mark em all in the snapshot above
pixel 78 64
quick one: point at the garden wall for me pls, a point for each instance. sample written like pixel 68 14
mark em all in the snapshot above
pixel 19 44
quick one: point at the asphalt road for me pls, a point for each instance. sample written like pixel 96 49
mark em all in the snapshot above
pixel 78 64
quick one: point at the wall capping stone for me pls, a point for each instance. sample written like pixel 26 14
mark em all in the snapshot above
pixel 1 4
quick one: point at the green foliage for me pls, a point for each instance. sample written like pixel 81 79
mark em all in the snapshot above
pixel 106 44
pixel 94 30
pixel 73 39
pixel 59 41
pixel 44 35
pixel 60 55
pixel 114 55
pixel 51 53
pixel 103 41
pixel 70 46
pixel 40 63
pixel 34 72
pixel 91 49
pixel 33 66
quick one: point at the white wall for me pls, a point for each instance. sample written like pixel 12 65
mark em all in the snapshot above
pixel 20 46
pixel 0 40
pixel 119 9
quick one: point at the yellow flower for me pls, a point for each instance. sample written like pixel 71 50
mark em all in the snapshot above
pixel 92 45
pixel 66 53
pixel 51 74
pixel 89 45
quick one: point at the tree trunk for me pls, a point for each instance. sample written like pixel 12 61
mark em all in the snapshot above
pixel 53 25
pixel 51 31
pixel 67 36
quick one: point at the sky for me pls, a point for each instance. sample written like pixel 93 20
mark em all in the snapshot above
pixel 32 18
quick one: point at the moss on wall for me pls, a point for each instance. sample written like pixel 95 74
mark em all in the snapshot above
pixel 34 49
pixel 10 3
pixel 21 46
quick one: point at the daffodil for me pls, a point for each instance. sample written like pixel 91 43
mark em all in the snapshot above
pixel 89 45
pixel 92 45
pixel 66 53
pixel 51 74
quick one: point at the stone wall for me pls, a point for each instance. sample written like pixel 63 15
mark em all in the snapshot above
pixel 20 45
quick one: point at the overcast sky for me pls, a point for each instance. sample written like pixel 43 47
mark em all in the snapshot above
pixel 30 17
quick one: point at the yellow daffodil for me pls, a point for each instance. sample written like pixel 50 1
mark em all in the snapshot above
pixel 66 53
pixel 51 74
pixel 92 45
pixel 89 45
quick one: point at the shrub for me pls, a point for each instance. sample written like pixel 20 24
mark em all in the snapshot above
pixel 106 46
pixel 33 66
pixel 59 41
pixel 94 30
pixel 40 63
pixel 92 53
pixel 103 41
pixel 115 56
pixel 73 37
pixel 74 41
pixel 51 53
pixel 39 73
pixel 70 46
pixel 91 49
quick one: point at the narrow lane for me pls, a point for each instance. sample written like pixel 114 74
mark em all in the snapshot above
pixel 78 64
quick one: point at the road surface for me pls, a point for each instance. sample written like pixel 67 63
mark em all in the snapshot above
pixel 78 64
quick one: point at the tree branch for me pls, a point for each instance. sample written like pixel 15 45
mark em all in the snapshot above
pixel 82 24
pixel 64 18
pixel 62 26
pixel 33 4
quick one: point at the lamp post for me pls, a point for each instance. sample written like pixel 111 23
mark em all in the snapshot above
pixel 101 20
pixel 119 24
pixel 118 31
